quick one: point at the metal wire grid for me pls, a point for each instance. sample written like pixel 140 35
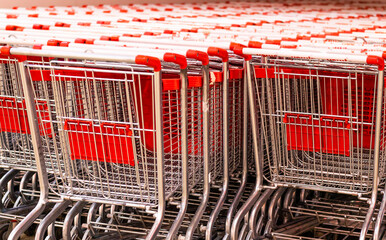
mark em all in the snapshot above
pixel 236 102
pixel 302 93
pixel 16 148
pixel 172 139
pixel 97 97
pixel 325 217
pixel 215 129
pixel 195 129
pixel 332 229
pixel 264 140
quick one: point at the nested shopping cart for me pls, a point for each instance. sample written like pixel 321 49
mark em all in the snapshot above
pixel 107 117
pixel 221 86
pixel 321 121
pixel 16 147
pixel 17 154
pixel 215 106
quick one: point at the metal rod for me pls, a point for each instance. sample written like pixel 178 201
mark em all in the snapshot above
pixel 50 218
pixel 68 221
pixel 239 194
pixel 206 185
pixel 259 175
pixel 160 157
pixel 184 152
pixel 378 118
pixel 216 211
pixel 257 211
pixel 381 214
pixel 39 156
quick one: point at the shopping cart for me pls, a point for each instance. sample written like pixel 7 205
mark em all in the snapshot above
pixel 322 121
pixel 215 103
pixel 130 172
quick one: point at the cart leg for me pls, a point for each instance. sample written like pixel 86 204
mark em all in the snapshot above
pixel 273 210
pixel 197 216
pixel 54 213
pixel 259 177
pixel 4 182
pixel 184 152
pixel 23 185
pixel 68 221
pixel 381 214
pixel 236 200
pixel 160 157
pixel 378 118
pixel 224 192
pixel 257 209
pixel 39 157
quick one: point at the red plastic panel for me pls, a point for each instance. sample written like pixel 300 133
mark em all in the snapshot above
pixel 327 135
pixel 106 142
pixel 13 117
pixel 335 101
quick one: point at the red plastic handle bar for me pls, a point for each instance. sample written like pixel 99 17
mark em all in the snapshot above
pixel 62 24
pixel 6 51
pixel 238 49
pixel 152 62
pixel 13 28
pixel 218 52
pixel 114 38
pixel 177 59
pixel 376 61
pixel 198 55
pixel 254 44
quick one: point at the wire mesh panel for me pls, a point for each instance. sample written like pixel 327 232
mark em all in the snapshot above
pixel 103 137
pixel 15 140
pixel 236 101
pixel 318 123
pixel 216 124
pixel 195 129
pixel 106 133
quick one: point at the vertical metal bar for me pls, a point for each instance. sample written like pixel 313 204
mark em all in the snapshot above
pixel 378 118
pixel 259 174
pixel 23 185
pixel 244 176
pixel 160 157
pixel 3 183
pixel 184 152
pixel 39 157
pixel 206 186
pixel 50 218
pixel 381 214
pixel 224 192
pixel 257 212
pixel 68 221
